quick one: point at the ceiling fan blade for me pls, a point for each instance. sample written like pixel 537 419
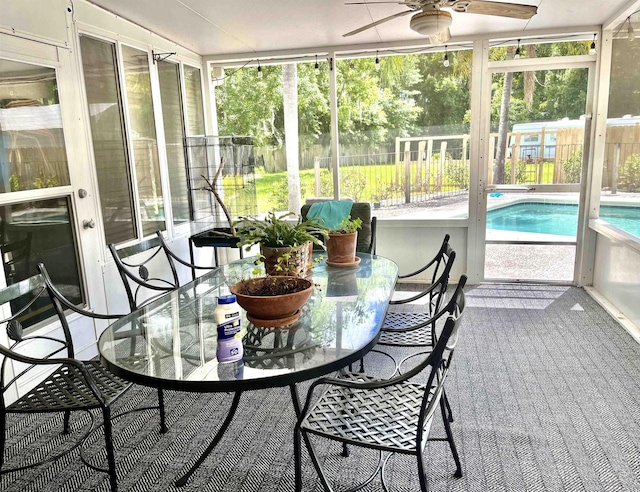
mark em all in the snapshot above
pixel 373 24
pixel 370 3
pixel 441 37
pixel 515 10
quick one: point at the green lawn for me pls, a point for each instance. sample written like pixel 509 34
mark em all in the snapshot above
pixel 368 183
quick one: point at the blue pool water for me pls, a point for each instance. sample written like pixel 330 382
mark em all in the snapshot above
pixel 557 218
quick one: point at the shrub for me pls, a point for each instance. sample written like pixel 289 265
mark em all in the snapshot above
pixel 572 167
pixel 457 174
pixel 630 174
pixel 279 193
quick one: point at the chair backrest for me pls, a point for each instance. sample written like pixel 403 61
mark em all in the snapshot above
pixel 439 286
pixel 439 359
pixel 367 234
pixel 15 257
pixel 442 257
pixel 139 284
pixel 16 302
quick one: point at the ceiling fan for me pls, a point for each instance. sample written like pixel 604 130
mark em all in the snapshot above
pixel 430 20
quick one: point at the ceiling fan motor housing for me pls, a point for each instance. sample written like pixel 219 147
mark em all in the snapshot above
pixel 430 22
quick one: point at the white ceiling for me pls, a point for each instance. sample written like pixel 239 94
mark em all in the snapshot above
pixel 217 27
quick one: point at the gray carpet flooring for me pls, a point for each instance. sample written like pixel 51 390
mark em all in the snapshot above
pixel 544 387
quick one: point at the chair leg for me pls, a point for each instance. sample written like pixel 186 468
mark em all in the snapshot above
pixel 452 444
pixel 422 475
pixel 297 453
pixel 3 436
pixel 66 418
pixel 446 402
pixel 108 441
pixel 163 423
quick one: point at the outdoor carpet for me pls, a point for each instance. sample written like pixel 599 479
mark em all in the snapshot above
pixel 544 390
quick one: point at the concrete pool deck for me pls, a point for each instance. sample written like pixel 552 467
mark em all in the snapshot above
pixel 514 262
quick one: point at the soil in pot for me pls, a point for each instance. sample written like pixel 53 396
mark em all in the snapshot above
pixel 272 301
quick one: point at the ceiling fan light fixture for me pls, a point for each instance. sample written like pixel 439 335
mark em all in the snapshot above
pixel 430 22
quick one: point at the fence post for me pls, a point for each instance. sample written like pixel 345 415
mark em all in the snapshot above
pixel 421 146
pixel 443 158
pixel 316 168
pixel 614 168
pixel 407 176
pixel 515 156
pixel 429 162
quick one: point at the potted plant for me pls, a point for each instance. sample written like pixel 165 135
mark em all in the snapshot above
pixel 285 246
pixel 341 243
pixel 272 301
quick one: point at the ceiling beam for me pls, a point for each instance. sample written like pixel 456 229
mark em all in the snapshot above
pixel 394 48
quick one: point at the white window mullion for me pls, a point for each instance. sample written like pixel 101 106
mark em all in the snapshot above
pixel 161 143
pixel 129 140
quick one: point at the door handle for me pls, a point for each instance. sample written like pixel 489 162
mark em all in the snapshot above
pixel 88 224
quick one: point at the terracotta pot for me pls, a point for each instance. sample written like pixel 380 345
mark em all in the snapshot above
pixel 286 261
pixel 341 248
pixel 272 307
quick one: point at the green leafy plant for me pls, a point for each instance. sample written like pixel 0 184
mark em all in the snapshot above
pixel 278 232
pixel 348 226
pixel 630 174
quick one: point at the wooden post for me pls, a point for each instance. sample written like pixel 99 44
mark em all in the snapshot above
pixel 614 169
pixel 429 162
pixel 421 145
pixel 407 176
pixel 515 156
pixel 316 168
pixel 443 157
pixel 541 156
pixel 465 144
pixel 492 160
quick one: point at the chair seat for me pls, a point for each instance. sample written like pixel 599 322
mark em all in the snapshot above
pixel 384 418
pixel 421 337
pixel 404 319
pixel 65 389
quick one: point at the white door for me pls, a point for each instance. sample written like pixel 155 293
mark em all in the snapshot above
pixel 531 195
pixel 47 205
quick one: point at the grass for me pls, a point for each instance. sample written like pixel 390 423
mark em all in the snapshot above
pixel 366 183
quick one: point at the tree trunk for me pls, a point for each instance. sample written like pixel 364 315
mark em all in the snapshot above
pixel 503 126
pixel 290 94
pixel 529 79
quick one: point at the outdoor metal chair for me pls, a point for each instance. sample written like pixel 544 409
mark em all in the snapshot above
pixel 133 263
pixel 71 384
pixel 392 415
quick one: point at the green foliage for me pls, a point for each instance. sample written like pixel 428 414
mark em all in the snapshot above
pixel 572 167
pixel 14 182
pixel 521 173
pixel 277 232
pixel 457 173
pixel 630 174
pixel 278 194
pixel 348 226
pixel 353 182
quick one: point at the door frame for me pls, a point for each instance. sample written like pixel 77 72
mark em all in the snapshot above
pixel 478 202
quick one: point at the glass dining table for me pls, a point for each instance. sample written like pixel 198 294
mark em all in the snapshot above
pixel 171 343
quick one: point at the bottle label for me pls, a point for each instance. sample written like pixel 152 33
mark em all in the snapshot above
pixel 229 329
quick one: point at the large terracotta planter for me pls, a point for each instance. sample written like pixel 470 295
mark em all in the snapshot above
pixel 286 261
pixel 272 310
pixel 341 248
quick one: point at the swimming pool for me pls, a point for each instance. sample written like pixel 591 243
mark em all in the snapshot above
pixel 557 218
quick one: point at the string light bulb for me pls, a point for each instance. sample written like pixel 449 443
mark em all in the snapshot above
pixel 445 60
pixel 517 55
pixel 259 70
pixel 592 48
pixel 317 67
pixel 377 61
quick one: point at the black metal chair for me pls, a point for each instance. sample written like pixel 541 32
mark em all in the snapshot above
pixel 367 234
pixel 141 287
pixel 71 386
pixel 392 415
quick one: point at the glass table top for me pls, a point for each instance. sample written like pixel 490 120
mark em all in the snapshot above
pixel 171 343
